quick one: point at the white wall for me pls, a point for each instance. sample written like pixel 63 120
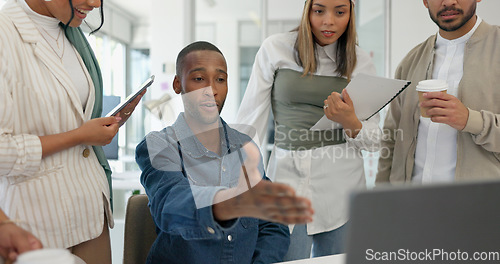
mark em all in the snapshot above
pixel 411 25
pixel 285 9
pixel 170 32
pixel 227 35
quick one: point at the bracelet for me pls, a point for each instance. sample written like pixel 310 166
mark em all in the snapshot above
pixel 7 221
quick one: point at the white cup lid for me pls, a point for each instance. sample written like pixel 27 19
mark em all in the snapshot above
pixel 432 86
pixel 46 256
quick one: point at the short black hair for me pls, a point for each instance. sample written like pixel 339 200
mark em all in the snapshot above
pixel 195 46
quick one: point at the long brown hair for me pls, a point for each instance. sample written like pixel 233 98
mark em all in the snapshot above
pixel 346 45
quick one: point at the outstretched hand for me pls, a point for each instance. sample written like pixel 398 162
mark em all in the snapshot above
pixel 257 198
pixel 274 202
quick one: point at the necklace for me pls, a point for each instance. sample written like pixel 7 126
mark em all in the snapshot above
pixel 57 42
pixel 55 39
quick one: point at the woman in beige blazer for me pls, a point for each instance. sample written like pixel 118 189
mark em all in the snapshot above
pixel 53 180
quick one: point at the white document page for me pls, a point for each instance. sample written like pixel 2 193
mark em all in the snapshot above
pixel 369 95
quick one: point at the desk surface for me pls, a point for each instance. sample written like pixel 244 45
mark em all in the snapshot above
pixel 333 259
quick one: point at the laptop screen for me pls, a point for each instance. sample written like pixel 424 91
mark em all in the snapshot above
pixel 444 223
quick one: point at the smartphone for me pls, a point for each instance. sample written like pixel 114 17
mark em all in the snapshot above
pixel 131 97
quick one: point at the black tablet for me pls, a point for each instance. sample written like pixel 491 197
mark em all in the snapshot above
pixel 131 97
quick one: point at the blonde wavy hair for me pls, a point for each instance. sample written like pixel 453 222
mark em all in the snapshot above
pixel 346 45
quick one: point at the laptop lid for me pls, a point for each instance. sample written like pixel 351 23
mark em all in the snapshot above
pixel 444 223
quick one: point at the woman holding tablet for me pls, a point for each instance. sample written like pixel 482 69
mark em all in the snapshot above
pixel 54 177
pixel 301 75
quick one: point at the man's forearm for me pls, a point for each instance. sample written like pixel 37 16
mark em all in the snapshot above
pixel 224 207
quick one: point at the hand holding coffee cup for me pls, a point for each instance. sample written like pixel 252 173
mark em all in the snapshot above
pixel 429 86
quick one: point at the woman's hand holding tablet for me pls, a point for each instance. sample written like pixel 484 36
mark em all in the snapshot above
pixel 125 109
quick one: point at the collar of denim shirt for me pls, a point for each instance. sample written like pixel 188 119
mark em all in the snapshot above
pixel 192 146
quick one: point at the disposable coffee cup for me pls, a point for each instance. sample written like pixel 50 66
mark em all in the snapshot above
pixel 46 256
pixel 429 86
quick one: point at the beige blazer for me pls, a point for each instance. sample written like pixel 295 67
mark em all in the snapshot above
pixel 62 198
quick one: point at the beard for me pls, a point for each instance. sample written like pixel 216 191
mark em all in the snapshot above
pixel 444 25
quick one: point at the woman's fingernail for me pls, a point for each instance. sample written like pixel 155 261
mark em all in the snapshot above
pixel 117 118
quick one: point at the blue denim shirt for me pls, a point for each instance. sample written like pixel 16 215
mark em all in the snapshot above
pixel 181 177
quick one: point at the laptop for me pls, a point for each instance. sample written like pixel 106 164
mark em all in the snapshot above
pixel 449 223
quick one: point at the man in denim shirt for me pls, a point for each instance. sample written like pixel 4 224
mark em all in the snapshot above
pixel 203 178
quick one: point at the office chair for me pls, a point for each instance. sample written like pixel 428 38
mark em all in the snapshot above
pixel 140 230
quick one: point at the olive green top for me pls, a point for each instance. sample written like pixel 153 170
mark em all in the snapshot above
pixel 297 104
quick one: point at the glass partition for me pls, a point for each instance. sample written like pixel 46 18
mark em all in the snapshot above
pixel 371 17
pixel 372 28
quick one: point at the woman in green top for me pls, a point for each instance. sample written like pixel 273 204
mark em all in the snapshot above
pixel 301 76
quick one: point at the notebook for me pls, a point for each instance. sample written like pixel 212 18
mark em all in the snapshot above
pixel 437 223
pixel 369 94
